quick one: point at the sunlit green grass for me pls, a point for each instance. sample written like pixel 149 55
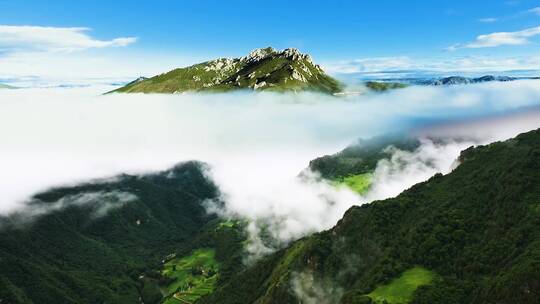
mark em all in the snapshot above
pixel 359 183
pixel 229 223
pixel 401 290
pixel 181 270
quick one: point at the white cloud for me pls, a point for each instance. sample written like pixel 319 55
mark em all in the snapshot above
pixel 488 20
pixel 403 169
pixel 101 203
pixel 370 64
pixel 487 63
pixel 535 10
pixel 311 289
pixel 437 65
pixel 57 53
pixel 499 39
pixel 256 144
pixel 53 39
pixel 53 68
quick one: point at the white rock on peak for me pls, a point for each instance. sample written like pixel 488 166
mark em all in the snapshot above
pixel 221 64
pixel 258 54
pixel 297 76
pixel 259 85
pixel 306 70
pixel 296 55
pixel 291 52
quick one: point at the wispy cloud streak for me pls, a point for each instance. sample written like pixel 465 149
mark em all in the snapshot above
pixel 53 39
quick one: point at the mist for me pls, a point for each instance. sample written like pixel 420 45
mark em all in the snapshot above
pixel 255 143
pixel 99 203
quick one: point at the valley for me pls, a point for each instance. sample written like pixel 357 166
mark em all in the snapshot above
pixel 461 237
pixel 401 258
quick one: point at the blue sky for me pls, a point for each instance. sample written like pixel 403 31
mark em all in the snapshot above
pixel 346 36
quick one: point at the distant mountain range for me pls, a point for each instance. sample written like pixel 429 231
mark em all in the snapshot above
pixel 398 83
pixel 5 86
pixel 262 69
pixel 452 80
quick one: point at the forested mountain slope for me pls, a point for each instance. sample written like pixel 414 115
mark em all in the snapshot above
pixel 471 236
pixel 91 243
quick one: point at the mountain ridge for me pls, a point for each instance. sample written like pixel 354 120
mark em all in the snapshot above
pixel 382 85
pixel 261 69
pixel 480 244
pixel 453 80
pixel 95 242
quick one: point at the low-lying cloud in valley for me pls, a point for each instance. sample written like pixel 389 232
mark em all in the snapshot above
pixel 256 144
pixel 99 202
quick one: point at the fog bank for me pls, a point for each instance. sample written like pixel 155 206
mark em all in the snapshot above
pixel 255 143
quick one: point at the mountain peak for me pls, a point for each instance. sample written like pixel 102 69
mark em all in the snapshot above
pixel 258 54
pixel 262 69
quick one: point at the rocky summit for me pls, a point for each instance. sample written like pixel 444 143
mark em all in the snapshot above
pixel 261 69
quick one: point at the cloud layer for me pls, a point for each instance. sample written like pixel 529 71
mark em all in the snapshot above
pixel 256 144
pixel 386 66
pixel 100 203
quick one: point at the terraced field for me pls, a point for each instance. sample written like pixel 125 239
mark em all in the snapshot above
pixel 194 276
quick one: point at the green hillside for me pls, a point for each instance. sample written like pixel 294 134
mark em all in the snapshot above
pixel 380 86
pixel 262 69
pixel 192 276
pixel 361 157
pixel 359 183
pixel 471 236
pixel 102 242
pixel 353 166
pixel 401 289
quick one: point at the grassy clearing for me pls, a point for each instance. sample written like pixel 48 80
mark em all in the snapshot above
pixel 231 223
pixel 194 276
pixel 401 290
pixel 359 183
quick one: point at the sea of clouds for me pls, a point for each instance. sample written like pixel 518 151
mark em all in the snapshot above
pixel 255 143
